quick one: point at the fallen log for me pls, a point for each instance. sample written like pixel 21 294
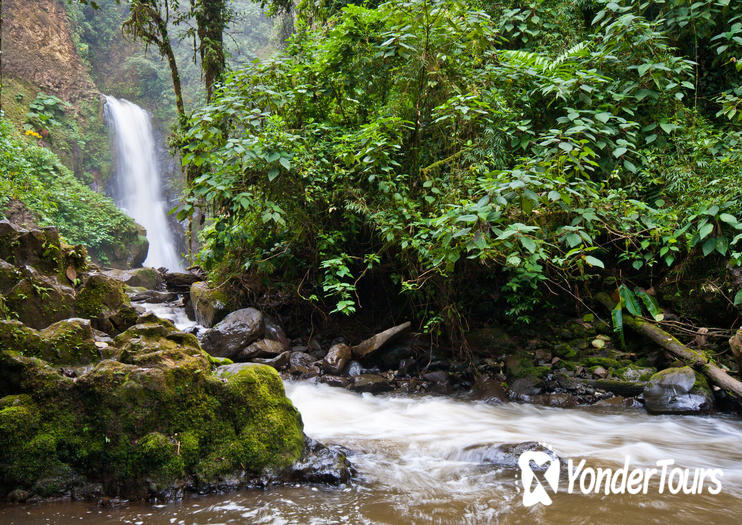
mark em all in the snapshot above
pixel 693 358
pixel 375 342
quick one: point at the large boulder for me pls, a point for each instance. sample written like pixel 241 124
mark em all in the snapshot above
pixel 234 333
pixel 678 391
pixel 39 300
pixel 102 299
pixel 210 305
pixel 148 278
pixel 149 424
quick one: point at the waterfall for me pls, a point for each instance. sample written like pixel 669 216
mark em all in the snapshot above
pixel 139 192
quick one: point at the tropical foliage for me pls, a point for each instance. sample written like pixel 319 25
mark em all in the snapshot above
pixel 456 150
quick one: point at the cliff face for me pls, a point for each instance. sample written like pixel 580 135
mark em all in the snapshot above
pixel 38 49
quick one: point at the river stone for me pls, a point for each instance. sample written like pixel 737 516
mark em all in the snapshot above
pixel 180 281
pixel 139 277
pixel 274 331
pixel 301 363
pixel 279 362
pixel 230 370
pixel 263 348
pixel 355 369
pixel 488 389
pixel 678 391
pixel 210 305
pixel 526 386
pixel 506 455
pixel 321 464
pixel 337 357
pixel 236 332
pixel 372 383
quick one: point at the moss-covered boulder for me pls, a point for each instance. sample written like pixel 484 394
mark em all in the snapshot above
pixel 678 391
pixel 39 300
pixel 210 305
pixel 103 300
pixel 150 423
pixel 148 278
pixel 67 342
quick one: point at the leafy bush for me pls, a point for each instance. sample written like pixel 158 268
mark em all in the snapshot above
pixel 35 176
pixel 426 143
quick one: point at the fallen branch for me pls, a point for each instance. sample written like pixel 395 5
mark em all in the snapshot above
pixel 695 359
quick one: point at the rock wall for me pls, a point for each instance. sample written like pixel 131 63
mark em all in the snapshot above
pixel 38 48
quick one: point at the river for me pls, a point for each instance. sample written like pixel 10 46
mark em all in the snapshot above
pixel 417 462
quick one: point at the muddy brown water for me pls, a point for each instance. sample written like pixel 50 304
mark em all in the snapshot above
pixel 416 464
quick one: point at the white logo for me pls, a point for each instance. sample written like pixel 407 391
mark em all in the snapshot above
pixel 537 493
pixel 624 480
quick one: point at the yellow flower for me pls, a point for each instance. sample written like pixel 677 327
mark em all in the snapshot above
pixel 32 133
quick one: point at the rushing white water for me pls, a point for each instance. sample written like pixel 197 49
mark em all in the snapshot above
pixel 138 176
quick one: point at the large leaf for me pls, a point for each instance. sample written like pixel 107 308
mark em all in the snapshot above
pixel 651 304
pixel 629 299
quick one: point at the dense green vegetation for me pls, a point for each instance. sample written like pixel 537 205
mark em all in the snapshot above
pixel 35 176
pixel 476 155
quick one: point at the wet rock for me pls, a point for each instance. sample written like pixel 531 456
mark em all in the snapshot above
pixel 526 386
pixel 139 277
pixel 559 400
pixel 321 464
pixel 489 389
pixel 620 388
pixel 490 340
pixel 210 305
pixel 275 332
pixel 154 296
pixel 440 381
pixel 372 344
pixel 301 363
pixel 619 402
pixel 407 366
pixel 235 333
pixel 265 348
pixel 505 455
pixel 180 282
pixel 337 357
pixel 336 381
pixel 279 362
pixel 678 391
pixel 635 373
pixel 18 496
pixel 354 369
pixel 372 383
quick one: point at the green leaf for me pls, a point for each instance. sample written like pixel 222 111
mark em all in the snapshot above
pixel 738 298
pixel 528 243
pixel 272 174
pixel 709 246
pixel 728 218
pixel 593 261
pixel 651 304
pixel 629 299
pixel 619 151
pixel 705 230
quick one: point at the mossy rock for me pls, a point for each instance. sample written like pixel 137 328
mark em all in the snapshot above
pixel 39 248
pixel 158 420
pixel 102 299
pixel 69 342
pixel 39 300
pixel 210 305
pixel 144 278
pixel 679 390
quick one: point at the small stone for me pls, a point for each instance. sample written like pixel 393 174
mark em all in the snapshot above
pixel 600 372
pixel 598 343
pixel 337 357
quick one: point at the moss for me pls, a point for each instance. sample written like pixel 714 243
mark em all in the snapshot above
pixel 605 362
pixel 100 295
pixel 565 351
pixel 158 458
pixel 217 361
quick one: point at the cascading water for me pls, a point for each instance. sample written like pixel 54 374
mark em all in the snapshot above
pixel 138 176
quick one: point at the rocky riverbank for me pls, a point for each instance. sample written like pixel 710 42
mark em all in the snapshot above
pixel 567 363
pixel 101 399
